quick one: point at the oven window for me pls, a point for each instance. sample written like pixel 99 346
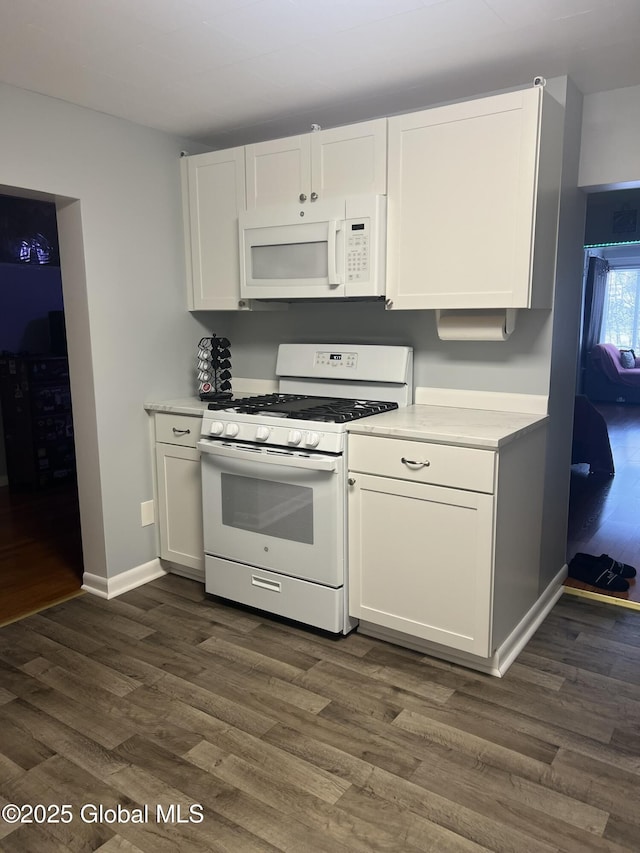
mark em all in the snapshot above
pixel 275 509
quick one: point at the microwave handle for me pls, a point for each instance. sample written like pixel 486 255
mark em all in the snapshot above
pixel 334 278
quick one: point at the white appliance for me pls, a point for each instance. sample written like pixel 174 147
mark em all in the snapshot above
pixel 274 479
pixel 335 248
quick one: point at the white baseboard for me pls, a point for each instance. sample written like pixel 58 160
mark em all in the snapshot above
pixel 184 571
pixel 503 657
pixel 125 581
pixel 529 624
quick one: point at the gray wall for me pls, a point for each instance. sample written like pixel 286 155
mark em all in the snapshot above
pixel 610 154
pixel 117 187
pixel 566 325
pixel 520 364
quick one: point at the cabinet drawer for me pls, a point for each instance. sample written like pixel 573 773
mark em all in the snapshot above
pixel 178 429
pixel 457 467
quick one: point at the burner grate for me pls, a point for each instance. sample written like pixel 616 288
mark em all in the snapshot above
pixel 305 407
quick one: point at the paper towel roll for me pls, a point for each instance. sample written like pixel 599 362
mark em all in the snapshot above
pixel 475 325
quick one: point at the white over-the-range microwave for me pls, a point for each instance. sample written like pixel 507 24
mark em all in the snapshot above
pixel 334 248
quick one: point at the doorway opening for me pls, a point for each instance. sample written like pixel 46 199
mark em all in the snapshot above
pixel 40 540
pixel 604 503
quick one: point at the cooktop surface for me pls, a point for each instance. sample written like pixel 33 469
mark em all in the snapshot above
pixel 304 407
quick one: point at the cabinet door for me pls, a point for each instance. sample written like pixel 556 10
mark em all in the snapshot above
pixel 350 160
pixel 462 196
pixel 278 171
pixel 342 161
pixel 180 505
pixel 214 194
pixel 420 561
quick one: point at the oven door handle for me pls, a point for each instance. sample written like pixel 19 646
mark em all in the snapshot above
pixel 309 463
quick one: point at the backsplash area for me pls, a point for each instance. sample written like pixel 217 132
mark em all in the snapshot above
pixel 518 365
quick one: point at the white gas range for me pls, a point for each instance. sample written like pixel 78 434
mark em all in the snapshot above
pixel 274 479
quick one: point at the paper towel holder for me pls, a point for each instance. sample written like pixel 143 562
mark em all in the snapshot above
pixel 507 316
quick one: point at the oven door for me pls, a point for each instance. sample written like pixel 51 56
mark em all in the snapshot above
pixel 275 509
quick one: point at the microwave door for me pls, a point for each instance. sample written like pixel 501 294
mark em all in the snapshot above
pixel 295 260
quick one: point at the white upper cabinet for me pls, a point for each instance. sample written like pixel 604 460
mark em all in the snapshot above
pixel 213 195
pixel 472 200
pixel 343 161
pixel 278 171
pixel 473 203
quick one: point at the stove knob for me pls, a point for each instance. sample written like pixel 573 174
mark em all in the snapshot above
pixel 262 433
pixel 312 439
pixel 232 430
pixel 295 437
pixel 216 428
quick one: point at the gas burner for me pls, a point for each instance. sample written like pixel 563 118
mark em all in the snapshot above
pixel 304 407
pixel 343 411
pixel 261 403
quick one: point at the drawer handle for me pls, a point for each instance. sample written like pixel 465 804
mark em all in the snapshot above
pixel 413 463
pixel 263 583
pixel 181 431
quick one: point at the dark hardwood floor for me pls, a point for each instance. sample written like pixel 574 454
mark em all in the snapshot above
pixel 292 741
pixel 282 739
pixel 40 549
pixel 604 512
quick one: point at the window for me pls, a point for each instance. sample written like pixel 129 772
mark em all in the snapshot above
pixel 621 316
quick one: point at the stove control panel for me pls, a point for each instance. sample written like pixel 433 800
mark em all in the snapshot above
pixel 337 360
pixel 329 438
pixel 387 370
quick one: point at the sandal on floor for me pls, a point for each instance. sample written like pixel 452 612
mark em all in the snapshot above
pixel 608 563
pixel 597 576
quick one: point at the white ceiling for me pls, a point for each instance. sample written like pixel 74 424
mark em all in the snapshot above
pixel 227 72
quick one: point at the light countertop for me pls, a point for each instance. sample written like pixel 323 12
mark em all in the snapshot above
pixel 447 425
pixel 183 406
pixel 441 424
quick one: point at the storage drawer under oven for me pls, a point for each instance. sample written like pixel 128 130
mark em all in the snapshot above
pixel 310 603
pixel 423 462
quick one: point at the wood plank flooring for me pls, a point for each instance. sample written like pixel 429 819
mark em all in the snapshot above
pixel 604 512
pixel 40 549
pixel 293 741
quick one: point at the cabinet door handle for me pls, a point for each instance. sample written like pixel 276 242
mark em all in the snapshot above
pixel 181 431
pixel 414 463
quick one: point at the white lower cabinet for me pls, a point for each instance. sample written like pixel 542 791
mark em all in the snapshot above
pixel 179 492
pixel 444 541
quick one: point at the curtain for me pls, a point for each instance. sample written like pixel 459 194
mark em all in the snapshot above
pixel 595 291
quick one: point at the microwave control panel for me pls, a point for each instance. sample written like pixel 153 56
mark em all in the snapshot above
pixel 357 263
